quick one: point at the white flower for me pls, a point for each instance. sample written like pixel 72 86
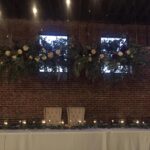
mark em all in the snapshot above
pixel 37 59
pixel 20 51
pixel 50 55
pixel 90 59
pixel 128 52
pixel 101 56
pixel 107 62
pixel 120 53
pixel 44 57
pixel 7 53
pixel 132 56
pixel 43 50
pixel 25 47
pixel 93 51
pixel 30 57
pixel 1 62
pixel 58 51
pixel 14 57
pixel 118 63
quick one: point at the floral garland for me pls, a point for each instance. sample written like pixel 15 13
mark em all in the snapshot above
pixel 32 124
pixel 28 59
pixel 81 60
pixel 109 58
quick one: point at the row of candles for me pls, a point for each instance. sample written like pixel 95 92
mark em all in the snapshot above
pixel 44 122
pixel 123 122
pixel 24 122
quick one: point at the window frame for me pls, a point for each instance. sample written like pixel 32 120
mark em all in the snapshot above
pixel 118 71
pixel 58 68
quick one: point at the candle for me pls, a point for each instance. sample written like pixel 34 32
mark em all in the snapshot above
pixel 43 122
pixel 24 122
pixel 137 121
pixel 79 121
pixel 95 121
pixel 5 123
pixel 62 122
pixel 112 121
pixel 122 121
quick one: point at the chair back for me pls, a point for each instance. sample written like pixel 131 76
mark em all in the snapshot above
pixel 75 115
pixel 52 115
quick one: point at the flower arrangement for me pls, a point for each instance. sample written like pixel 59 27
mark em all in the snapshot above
pixel 91 62
pixel 113 58
pixel 29 58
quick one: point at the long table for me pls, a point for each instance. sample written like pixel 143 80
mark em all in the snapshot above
pixel 92 139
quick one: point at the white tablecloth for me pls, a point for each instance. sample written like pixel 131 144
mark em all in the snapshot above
pixel 94 139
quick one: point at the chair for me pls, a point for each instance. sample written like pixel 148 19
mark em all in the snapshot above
pixel 52 115
pixel 75 115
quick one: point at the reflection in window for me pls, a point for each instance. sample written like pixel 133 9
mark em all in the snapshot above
pixel 52 43
pixel 110 46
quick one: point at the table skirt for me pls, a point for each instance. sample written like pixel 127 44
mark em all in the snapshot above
pixel 94 139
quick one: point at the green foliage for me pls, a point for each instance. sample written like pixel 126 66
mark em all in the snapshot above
pixel 80 60
pixel 115 58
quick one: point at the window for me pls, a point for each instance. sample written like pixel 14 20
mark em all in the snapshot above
pixel 52 43
pixel 111 46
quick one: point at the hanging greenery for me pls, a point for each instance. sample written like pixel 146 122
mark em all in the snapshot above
pixel 62 56
pixel 33 58
pixel 113 58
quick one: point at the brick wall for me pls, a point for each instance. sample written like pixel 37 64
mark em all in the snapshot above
pixel 27 99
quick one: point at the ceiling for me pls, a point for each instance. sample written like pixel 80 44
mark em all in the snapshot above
pixel 108 11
